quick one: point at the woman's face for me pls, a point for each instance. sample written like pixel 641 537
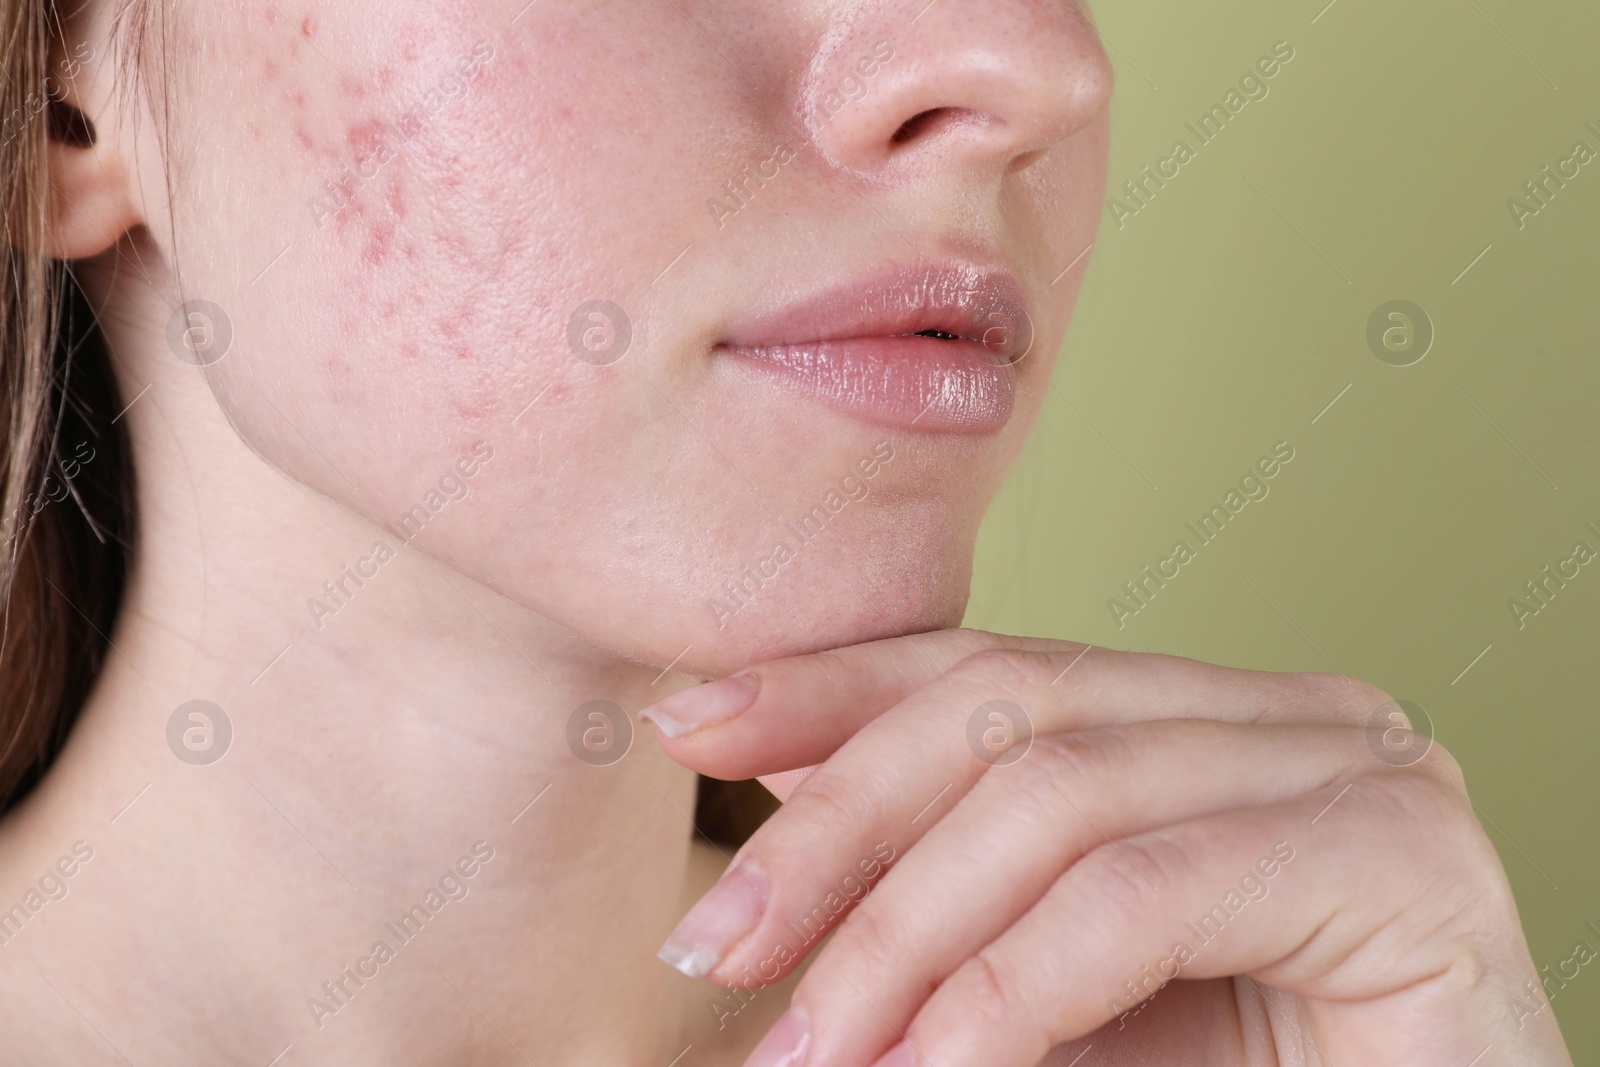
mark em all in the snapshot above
pixel 613 305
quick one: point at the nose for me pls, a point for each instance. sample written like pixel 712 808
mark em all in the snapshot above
pixel 986 85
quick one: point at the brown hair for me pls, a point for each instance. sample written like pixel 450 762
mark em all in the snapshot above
pixel 66 486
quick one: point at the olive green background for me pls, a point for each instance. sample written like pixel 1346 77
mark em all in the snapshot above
pixel 1232 310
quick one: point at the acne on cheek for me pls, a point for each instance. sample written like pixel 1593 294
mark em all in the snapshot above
pixel 441 271
pixel 470 216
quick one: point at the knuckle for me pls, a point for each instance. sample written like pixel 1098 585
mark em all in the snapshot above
pixel 987 989
pixel 1081 759
pixel 868 945
pixel 827 803
pixel 1431 812
pixel 1011 670
pixel 1125 881
pixel 1433 824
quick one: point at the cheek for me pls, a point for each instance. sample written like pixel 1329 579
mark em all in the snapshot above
pixel 446 199
pixel 403 252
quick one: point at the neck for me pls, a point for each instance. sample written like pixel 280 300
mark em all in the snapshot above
pixel 379 752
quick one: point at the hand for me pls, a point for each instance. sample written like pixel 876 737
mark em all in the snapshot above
pixel 1252 834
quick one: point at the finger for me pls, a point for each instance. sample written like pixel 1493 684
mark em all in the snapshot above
pixel 1320 897
pixel 791 713
pixel 899 774
pixel 998 852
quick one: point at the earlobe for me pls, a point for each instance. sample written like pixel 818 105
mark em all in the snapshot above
pixel 89 195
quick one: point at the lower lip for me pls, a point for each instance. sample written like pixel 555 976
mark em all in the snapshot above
pixel 910 383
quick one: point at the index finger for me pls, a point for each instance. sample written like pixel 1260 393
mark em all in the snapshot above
pixel 791 713
pixel 875 796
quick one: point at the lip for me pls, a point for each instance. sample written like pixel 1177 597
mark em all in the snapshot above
pixel 862 348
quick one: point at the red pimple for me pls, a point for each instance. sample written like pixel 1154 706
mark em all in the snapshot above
pixel 366 138
pixel 308 26
pixel 407 40
pixel 336 367
pixel 470 411
pixel 377 249
pixel 352 210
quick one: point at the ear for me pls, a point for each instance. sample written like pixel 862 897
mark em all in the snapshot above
pixel 91 198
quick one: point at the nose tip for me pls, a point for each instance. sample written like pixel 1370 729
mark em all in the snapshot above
pixel 988 84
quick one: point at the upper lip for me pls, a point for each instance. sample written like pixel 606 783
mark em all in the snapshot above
pixel 983 304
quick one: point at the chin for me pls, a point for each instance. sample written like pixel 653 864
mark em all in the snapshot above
pixel 827 608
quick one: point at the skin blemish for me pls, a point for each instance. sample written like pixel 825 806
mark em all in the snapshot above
pixel 365 138
pixel 337 378
pixel 378 242
pixel 352 212
pixel 308 26
pixel 410 51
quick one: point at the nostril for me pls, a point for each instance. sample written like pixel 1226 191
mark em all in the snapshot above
pixel 926 123
pixel 913 126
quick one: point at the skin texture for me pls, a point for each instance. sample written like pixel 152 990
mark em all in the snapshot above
pixel 383 336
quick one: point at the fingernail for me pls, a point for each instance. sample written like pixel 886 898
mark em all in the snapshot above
pixel 718 921
pixel 785 1044
pixel 688 710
